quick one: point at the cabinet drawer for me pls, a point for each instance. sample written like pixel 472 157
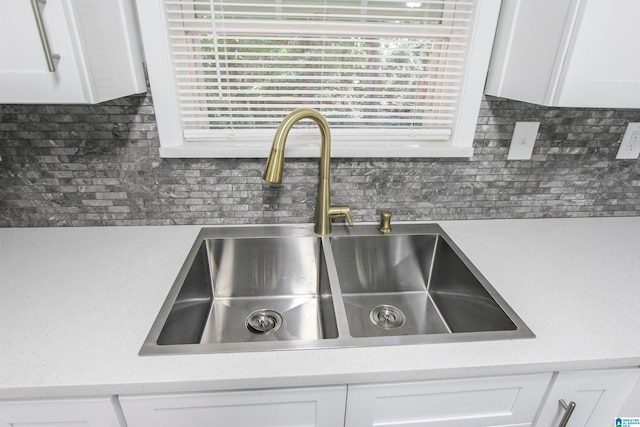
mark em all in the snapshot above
pixel 90 412
pixel 318 406
pixel 494 401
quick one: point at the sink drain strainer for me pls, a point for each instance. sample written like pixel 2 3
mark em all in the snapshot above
pixel 264 321
pixel 387 317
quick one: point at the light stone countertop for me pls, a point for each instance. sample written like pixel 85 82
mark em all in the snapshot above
pixel 77 303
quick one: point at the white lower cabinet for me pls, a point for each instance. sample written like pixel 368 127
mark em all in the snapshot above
pixel 98 412
pixel 317 406
pixel 599 397
pixel 631 407
pixel 492 401
pixel 504 401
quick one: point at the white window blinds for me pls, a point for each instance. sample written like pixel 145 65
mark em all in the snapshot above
pixel 368 66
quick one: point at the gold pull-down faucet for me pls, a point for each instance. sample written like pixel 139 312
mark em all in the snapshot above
pixel 273 170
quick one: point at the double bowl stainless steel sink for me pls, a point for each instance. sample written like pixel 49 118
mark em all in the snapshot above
pixel 282 287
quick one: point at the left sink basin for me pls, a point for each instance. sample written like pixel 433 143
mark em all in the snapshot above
pixel 272 292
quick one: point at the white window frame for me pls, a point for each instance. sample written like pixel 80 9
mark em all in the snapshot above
pixel 351 144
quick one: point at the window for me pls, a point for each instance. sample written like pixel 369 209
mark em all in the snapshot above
pixel 393 78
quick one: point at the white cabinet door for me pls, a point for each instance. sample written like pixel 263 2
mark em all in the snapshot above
pixel 318 406
pixel 94 46
pixel 567 53
pixel 602 68
pixel 23 69
pixel 99 412
pixel 631 408
pixel 493 401
pixel 598 395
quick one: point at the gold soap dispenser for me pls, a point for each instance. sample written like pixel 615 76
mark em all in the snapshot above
pixel 385 222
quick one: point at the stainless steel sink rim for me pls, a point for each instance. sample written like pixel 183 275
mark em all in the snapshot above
pixel 344 339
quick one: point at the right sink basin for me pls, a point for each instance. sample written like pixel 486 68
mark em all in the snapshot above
pixel 415 284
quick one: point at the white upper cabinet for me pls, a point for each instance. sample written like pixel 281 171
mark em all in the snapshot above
pixel 93 50
pixel 567 53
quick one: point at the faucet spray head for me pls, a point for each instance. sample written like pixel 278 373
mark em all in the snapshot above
pixel 273 170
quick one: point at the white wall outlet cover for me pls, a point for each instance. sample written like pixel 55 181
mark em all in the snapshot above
pixel 630 145
pixel 524 137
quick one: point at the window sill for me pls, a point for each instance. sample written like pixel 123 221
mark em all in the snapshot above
pixel 312 149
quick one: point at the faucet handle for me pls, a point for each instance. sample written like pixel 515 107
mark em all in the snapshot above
pixel 345 211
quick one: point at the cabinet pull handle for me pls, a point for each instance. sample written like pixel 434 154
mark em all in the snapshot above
pixel 43 36
pixel 568 410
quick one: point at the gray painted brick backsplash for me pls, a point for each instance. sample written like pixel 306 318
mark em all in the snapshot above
pixel 86 165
